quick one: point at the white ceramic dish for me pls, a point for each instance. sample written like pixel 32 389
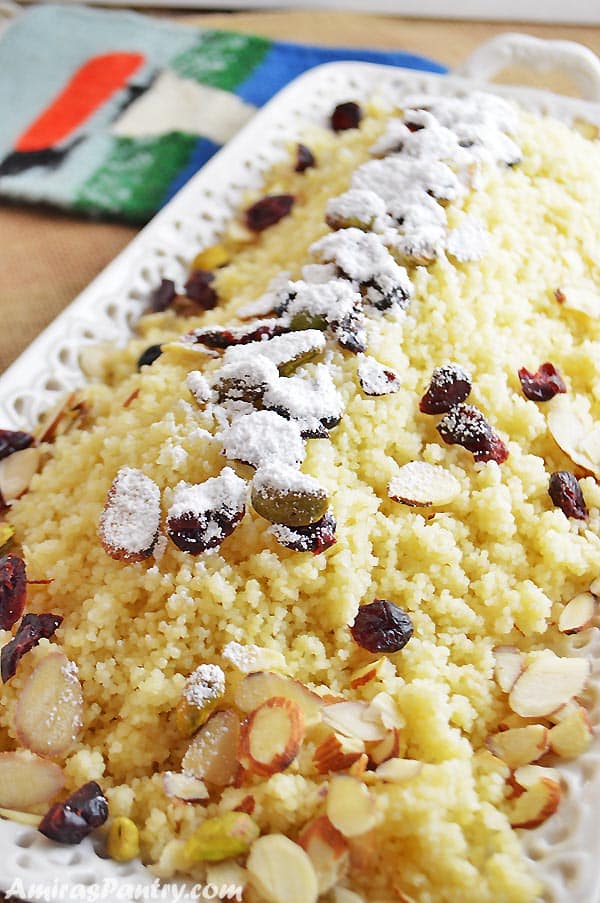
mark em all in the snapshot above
pixel 566 850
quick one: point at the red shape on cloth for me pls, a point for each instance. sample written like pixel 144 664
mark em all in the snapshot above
pixel 90 86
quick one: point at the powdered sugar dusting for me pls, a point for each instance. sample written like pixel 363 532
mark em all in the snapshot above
pixel 226 493
pixel 357 207
pixel 198 386
pixel 264 436
pixel 281 349
pixel 375 379
pixel 130 521
pixel 276 477
pixel 469 241
pixel 313 402
pixel 205 684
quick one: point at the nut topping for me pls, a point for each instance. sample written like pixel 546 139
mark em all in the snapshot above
pixel 423 485
pixel 271 736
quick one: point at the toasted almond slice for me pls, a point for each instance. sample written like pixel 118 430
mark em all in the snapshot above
pixel 281 871
pixel 595 586
pixel 397 771
pixel 519 745
pixel 17 471
pixel 226 874
pixel 358 769
pixel 271 736
pixel 186 353
pixel 570 430
pixel 61 418
pixel 48 714
pixel 528 775
pixel 350 806
pixel 27 780
pixel 367 673
pixel 259 686
pixel 212 754
pixel 547 683
pixel 384 711
pixel 423 485
pixel 337 753
pixel 328 851
pixel 564 711
pixel 508 665
pixel 577 614
pixel 486 761
pixel 388 748
pixel 536 804
pixel 249 658
pixel 184 787
pixel 351 719
pixel 582 299
pixel 510 720
pixel 572 736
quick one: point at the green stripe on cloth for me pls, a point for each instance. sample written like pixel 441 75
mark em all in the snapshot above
pixel 221 59
pixel 132 179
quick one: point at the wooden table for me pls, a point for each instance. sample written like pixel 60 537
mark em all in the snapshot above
pixel 46 257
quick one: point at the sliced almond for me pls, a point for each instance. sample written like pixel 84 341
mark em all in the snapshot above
pixel 358 769
pixel 93 359
pixel 281 871
pixel 350 806
pixel 61 418
pixel 26 780
pixel 21 818
pixel 508 665
pixel 388 748
pixel 564 711
pixel 570 430
pixel 337 753
pixel 520 745
pixel 547 683
pixel 487 762
pixel 535 805
pixel 528 775
pixel 328 851
pixel 184 787
pixel 595 586
pixel 423 485
pixel 384 711
pixel 226 874
pixel 271 736
pixel 352 720
pixel 367 673
pixel 249 658
pixel 259 686
pixel 572 736
pixel 582 299
pixel 212 754
pixel 577 614
pixel 48 713
pixel 397 771
pixel 17 471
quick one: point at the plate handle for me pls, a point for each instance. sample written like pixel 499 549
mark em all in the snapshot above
pixel 512 49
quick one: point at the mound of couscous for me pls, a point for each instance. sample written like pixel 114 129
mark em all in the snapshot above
pixel 318 570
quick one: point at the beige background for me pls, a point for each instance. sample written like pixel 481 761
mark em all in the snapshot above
pixel 46 258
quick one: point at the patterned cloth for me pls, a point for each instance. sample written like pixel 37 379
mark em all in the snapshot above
pixel 109 113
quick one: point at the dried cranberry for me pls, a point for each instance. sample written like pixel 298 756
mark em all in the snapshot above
pixel 413 126
pixel 305 158
pixel 12 441
pixel 346 116
pixel 199 288
pixel 162 296
pixel 449 385
pixel 315 538
pixel 565 492
pixel 350 332
pixel 31 630
pixel 147 357
pixel 465 425
pixel 543 385
pixel 13 590
pixel 222 337
pixel 64 826
pixel 90 803
pixel 382 626
pixel 197 533
pixel 72 821
pixel 268 211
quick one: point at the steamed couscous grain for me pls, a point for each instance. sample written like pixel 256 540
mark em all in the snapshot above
pixel 494 566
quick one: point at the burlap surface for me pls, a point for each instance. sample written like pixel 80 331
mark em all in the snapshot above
pixel 46 258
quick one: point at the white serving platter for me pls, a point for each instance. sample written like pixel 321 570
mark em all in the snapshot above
pixel 565 851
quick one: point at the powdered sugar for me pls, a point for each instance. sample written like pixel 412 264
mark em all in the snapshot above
pixel 225 493
pixel 313 402
pixel 331 301
pixel 284 349
pixel 204 685
pixel 375 379
pixel 281 478
pixel 264 436
pixel 130 521
pixel 198 386
pixel 357 207
pixel 469 241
